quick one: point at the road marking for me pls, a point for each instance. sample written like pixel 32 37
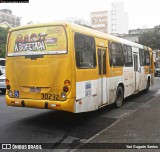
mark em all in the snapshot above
pixel 158 91
pixel 118 120
pixel 114 123
pixel 116 113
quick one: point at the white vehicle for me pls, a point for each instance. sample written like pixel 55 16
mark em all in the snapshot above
pixel 2 75
pixel 157 71
pixel 157 68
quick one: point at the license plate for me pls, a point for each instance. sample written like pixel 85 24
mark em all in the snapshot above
pixel 50 96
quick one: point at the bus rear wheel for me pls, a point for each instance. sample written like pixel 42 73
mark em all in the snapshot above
pixel 147 86
pixel 119 97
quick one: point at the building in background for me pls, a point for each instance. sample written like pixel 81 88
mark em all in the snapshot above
pixel 5 25
pixel 134 34
pixel 113 22
pixel 7 16
pixel 78 21
pixel 118 19
pixel 99 21
pixel 140 31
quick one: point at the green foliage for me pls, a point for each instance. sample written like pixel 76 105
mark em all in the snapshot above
pixel 151 38
pixel 3 40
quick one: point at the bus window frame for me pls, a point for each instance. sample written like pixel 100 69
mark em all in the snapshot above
pixel 144 57
pixel 140 57
pixel 94 53
pixel 111 54
pixel 128 64
pixel 147 52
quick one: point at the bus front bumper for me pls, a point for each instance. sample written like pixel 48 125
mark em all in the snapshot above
pixel 67 105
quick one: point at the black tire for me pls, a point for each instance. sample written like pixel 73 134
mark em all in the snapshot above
pixel 147 87
pixel 119 97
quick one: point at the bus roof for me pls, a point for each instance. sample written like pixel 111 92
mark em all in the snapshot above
pixel 106 36
pixel 84 30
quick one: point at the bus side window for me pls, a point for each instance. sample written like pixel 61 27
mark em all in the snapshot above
pixel 110 54
pixel 141 57
pixel 147 58
pixel 99 62
pixel 117 54
pixel 104 61
pixel 85 51
pixel 128 56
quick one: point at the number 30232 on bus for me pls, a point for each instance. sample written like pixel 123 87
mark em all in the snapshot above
pixel 49 96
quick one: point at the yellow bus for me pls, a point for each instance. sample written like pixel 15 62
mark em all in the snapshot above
pixel 64 66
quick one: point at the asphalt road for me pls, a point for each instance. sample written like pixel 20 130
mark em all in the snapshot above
pixel 26 125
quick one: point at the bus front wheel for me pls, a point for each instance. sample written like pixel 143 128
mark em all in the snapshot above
pixel 119 97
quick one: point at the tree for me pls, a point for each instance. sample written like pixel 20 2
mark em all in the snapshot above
pixel 151 38
pixel 3 40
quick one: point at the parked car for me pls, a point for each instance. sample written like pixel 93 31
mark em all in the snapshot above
pixel 157 71
pixel 2 75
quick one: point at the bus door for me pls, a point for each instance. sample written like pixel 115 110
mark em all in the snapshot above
pixel 136 71
pixel 102 76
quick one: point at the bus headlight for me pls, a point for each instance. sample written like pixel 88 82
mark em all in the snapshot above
pixel 10 93
pixel 63 95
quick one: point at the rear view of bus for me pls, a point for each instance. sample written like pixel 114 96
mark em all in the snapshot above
pixel 38 68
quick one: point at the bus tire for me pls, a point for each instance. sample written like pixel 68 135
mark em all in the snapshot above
pixel 119 97
pixel 147 86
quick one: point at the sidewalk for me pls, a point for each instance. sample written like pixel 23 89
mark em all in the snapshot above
pixel 142 126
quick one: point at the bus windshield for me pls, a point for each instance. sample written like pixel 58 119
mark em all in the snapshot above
pixel 39 40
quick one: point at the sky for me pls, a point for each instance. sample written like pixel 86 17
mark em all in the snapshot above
pixel 142 13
